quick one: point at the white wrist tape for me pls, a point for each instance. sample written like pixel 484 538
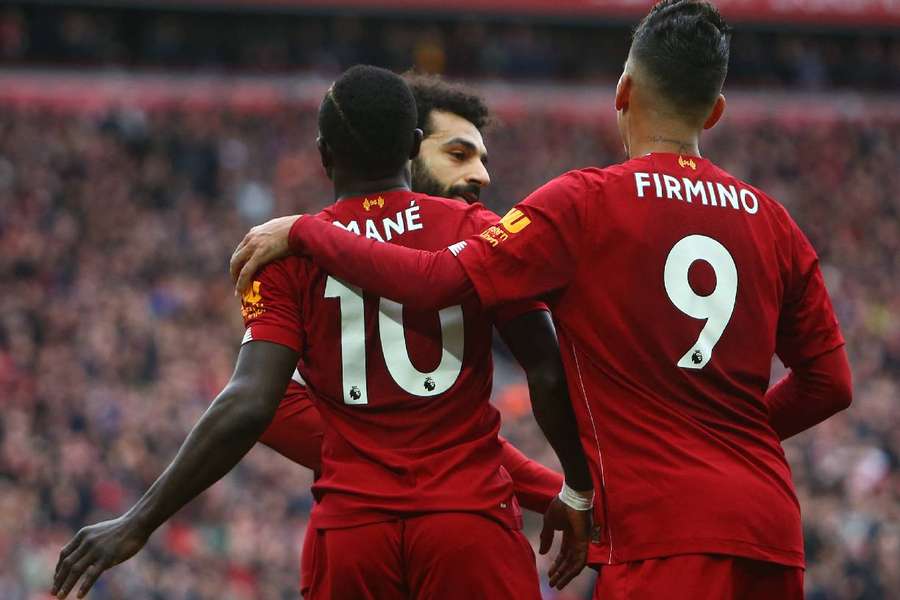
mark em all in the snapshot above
pixel 576 500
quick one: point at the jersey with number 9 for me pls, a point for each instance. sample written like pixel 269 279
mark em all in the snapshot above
pixel 404 394
pixel 672 285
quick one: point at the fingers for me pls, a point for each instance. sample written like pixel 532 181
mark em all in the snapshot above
pixel 68 558
pixel 68 548
pixel 74 574
pixel 90 578
pixel 568 564
pixel 553 571
pixel 241 253
pixel 247 272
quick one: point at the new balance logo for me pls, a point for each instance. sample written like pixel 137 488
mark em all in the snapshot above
pixel 457 248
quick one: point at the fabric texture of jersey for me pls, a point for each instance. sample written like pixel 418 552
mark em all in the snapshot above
pixel 672 285
pixel 297 428
pixel 404 394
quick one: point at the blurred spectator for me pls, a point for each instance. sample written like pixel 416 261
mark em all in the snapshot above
pixel 117 327
pixel 40 33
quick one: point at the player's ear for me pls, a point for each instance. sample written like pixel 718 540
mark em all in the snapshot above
pixel 623 91
pixel 325 155
pixel 716 114
pixel 417 143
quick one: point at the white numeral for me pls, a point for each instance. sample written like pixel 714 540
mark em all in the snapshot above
pixel 393 344
pixel 716 308
pixel 353 339
pixel 396 355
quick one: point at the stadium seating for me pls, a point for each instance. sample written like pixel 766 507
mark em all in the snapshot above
pixel 117 326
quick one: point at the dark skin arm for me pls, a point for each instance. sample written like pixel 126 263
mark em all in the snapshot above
pixel 531 338
pixel 223 435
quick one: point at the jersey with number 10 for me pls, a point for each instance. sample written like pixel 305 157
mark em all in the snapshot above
pixel 672 285
pixel 404 394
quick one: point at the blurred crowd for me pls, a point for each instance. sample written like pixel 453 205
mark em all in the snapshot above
pixel 118 326
pixel 45 34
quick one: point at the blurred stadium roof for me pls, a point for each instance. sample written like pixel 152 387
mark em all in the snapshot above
pixel 843 13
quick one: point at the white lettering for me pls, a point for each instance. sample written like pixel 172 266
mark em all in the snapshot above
pixel 390 224
pixel 729 194
pixel 412 217
pixel 744 194
pixel 458 247
pixel 685 189
pixel 372 232
pixel 712 194
pixel 673 187
pixel 352 226
pixel 638 177
pixel 694 188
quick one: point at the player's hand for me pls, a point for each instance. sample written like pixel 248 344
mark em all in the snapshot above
pixel 262 244
pixel 576 530
pixel 93 550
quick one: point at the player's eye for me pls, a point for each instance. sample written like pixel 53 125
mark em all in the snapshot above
pixel 458 155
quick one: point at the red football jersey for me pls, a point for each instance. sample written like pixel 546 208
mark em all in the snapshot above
pixel 404 394
pixel 296 429
pixel 672 285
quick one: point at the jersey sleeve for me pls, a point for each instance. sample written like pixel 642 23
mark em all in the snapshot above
pixel 504 313
pixel 271 306
pixel 807 325
pixel 532 250
pixel 534 485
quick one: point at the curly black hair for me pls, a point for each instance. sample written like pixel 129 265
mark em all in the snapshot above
pixel 434 93
pixel 684 46
pixel 368 119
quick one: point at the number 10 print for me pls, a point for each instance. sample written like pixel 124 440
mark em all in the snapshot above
pixel 393 345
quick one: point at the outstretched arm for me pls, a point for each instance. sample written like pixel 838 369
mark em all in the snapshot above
pixel 223 435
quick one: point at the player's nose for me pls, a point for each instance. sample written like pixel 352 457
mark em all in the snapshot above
pixel 479 176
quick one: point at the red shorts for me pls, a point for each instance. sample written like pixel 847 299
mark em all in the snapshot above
pixel 440 556
pixel 699 577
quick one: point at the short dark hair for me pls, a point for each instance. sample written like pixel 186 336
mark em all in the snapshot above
pixel 434 93
pixel 683 46
pixel 367 119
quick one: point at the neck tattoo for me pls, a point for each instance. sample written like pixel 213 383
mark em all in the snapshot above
pixel 683 147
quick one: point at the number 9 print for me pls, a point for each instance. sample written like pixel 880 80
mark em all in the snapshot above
pixel 716 308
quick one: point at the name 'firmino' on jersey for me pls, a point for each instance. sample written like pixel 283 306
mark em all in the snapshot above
pixel 685 189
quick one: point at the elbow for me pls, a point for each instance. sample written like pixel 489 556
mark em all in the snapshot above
pixel 843 394
pixel 842 386
pixel 245 408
